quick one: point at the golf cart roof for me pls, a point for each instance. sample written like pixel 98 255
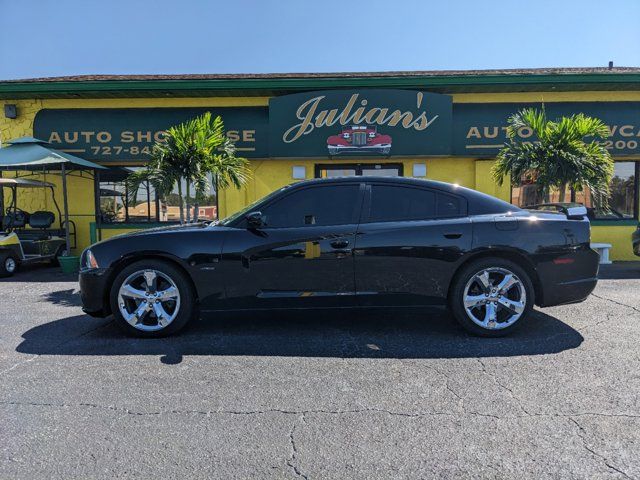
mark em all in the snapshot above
pixel 22 182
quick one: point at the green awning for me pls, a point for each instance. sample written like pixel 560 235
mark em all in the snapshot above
pixel 30 153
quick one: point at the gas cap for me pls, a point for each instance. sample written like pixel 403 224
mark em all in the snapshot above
pixel 505 222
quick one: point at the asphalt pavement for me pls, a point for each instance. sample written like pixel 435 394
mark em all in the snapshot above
pixel 324 395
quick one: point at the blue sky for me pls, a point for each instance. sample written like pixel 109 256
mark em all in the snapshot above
pixel 66 37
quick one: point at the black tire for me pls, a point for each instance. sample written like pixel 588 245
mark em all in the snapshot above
pixel 4 261
pixel 187 309
pixel 55 261
pixel 466 274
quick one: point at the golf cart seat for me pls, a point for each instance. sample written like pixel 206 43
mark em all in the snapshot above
pixel 41 220
pixel 15 219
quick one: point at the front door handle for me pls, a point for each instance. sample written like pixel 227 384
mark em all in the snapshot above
pixel 340 244
pixel 452 236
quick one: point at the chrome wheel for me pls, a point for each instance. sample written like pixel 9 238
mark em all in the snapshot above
pixel 494 298
pixel 10 265
pixel 149 300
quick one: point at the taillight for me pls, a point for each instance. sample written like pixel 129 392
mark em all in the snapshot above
pixel 563 261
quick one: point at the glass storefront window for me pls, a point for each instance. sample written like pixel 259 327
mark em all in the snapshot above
pixel 622 201
pixel 147 207
pixel 115 207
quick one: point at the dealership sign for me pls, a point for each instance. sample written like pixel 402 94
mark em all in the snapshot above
pixel 481 129
pixel 127 134
pixel 335 124
pixel 360 122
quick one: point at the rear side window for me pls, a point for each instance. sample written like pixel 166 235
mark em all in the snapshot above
pixel 325 205
pixel 390 203
pixel 448 205
pixel 394 203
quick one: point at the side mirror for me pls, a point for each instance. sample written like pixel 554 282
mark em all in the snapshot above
pixel 576 213
pixel 254 219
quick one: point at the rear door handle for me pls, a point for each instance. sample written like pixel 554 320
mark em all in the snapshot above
pixel 340 244
pixel 452 236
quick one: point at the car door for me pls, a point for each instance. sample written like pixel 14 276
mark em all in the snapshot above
pixel 303 254
pixel 407 243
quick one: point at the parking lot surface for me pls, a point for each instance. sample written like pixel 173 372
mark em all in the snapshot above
pixel 356 394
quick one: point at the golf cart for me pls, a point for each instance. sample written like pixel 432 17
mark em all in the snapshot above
pixel 29 237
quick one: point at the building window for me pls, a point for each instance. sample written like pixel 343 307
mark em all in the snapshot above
pixel 114 204
pixel 623 201
pixel 147 207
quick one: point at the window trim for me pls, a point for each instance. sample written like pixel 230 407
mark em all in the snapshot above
pixel 366 211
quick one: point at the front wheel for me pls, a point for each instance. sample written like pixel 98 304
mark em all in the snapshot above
pixel 8 264
pixel 152 298
pixel 491 297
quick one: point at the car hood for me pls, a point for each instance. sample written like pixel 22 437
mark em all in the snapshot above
pixel 168 230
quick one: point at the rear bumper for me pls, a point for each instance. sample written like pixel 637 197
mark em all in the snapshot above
pixel 569 292
pixel 562 283
pixel 94 293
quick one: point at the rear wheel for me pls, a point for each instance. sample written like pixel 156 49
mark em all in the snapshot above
pixel 8 264
pixel 491 297
pixel 152 298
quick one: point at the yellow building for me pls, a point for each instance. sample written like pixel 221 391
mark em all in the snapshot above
pixel 440 125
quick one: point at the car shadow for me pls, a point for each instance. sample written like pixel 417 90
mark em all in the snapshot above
pixel 40 272
pixel 379 333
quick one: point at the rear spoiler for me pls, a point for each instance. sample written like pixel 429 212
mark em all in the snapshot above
pixel 573 213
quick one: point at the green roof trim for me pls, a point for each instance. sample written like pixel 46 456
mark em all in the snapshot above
pixel 269 85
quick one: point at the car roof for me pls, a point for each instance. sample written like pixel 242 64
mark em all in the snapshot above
pixel 376 179
pixel 479 202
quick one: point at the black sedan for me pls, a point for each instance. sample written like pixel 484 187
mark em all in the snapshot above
pixel 348 242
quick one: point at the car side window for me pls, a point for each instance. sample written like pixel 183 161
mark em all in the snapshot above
pixel 397 203
pixel 322 205
pixel 448 205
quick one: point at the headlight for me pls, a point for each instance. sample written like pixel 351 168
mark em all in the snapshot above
pixel 372 134
pixel 89 260
pixel 345 135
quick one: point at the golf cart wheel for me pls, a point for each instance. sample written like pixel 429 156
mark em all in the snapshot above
pixel 152 298
pixel 8 264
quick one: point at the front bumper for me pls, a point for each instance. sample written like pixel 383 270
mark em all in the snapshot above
pixel 94 292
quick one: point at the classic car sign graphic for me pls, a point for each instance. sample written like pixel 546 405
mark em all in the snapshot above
pixel 359 139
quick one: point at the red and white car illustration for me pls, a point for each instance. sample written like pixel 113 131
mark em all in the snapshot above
pixel 359 139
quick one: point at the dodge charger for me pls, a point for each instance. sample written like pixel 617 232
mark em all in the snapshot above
pixel 344 243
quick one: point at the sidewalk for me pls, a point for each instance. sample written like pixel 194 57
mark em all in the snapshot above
pixel 620 270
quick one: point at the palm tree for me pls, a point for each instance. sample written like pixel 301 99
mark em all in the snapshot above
pixel 559 157
pixel 190 154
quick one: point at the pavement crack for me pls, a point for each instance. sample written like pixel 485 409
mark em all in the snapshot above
pixel 16 365
pixel 291 461
pixel 616 302
pixel 581 434
pixel 503 386
pixel 304 413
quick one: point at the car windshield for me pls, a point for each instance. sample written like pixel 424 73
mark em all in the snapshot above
pixel 241 213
